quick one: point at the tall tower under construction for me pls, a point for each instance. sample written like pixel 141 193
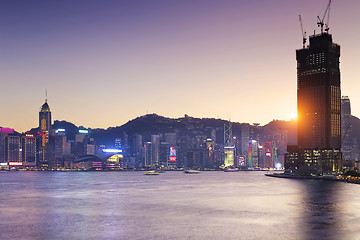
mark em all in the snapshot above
pixel 319 104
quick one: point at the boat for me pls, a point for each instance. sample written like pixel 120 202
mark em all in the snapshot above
pixel 152 172
pixel 230 170
pixel 191 171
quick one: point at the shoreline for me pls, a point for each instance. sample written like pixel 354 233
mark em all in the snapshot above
pixel 325 178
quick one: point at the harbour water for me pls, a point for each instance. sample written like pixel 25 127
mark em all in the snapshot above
pixel 174 205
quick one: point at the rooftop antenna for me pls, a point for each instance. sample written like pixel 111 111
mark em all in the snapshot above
pixel 321 23
pixel 302 31
pixel 45 94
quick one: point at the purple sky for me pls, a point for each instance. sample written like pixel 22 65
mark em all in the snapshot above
pixel 106 62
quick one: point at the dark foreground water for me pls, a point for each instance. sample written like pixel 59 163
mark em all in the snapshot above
pixel 174 205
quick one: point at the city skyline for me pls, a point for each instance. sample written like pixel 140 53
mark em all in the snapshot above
pixel 106 63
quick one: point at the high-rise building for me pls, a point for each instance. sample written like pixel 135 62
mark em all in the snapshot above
pixel 209 156
pixel 3 133
pixel 148 154
pixel 245 137
pixel 347 143
pixel 319 96
pixel 253 157
pixel 137 149
pixel 229 147
pixel 28 149
pixel 12 153
pixel 155 149
pixel 44 133
pixel 319 104
pixel 164 154
pixel 171 138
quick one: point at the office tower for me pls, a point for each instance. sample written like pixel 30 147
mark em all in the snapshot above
pixel 194 158
pixel 118 143
pixel 346 145
pixel 164 154
pixel 253 155
pixel 209 153
pixel 137 144
pixel 319 94
pixel 137 150
pixel 213 135
pixel 148 154
pixel 319 104
pixel 184 146
pixel 171 138
pixel 3 133
pixel 229 148
pixel 44 133
pixel 28 150
pixel 245 137
pixel 155 149
pixel 172 158
pixel 12 153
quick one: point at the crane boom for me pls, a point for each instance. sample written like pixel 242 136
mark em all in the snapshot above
pixel 321 23
pixel 302 31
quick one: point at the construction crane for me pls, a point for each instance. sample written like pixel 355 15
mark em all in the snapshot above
pixel 302 31
pixel 321 23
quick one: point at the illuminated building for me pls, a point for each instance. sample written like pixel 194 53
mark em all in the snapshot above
pixel 194 158
pixel 253 157
pixel 164 154
pixel 319 104
pixel 268 158
pixel 229 157
pixel 44 133
pixel 115 162
pixel 319 94
pixel 28 150
pixel 346 129
pixel 155 149
pixel 245 137
pixel 172 157
pixel 229 148
pixel 3 133
pixel 118 143
pixel 137 149
pixel 12 150
pixel 209 158
pixel 148 154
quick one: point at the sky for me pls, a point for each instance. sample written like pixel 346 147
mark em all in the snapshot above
pixel 104 63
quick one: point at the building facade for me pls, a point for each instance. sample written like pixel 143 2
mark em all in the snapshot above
pixel 319 106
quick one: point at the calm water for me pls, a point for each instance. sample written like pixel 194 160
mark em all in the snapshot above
pixel 174 205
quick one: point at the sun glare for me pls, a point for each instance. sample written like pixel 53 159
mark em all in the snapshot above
pixel 293 116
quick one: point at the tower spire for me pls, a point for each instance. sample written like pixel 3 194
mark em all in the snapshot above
pixel 46 95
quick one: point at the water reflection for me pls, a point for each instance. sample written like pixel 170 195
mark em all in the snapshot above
pixel 173 205
pixel 322 210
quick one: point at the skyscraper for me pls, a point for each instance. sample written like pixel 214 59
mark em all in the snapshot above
pixel 319 104
pixel 319 97
pixel 346 145
pixel 28 146
pixel 44 133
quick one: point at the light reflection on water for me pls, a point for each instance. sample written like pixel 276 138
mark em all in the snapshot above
pixel 174 205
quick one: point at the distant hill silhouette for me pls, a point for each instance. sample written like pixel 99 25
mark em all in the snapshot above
pixel 151 124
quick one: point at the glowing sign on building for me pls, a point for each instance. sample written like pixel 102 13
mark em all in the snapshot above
pixel 172 154
pixel 60 130
pixel 6 130
pixel 210 146
pixel 83 131
pixel 15 163
pixel 109 150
